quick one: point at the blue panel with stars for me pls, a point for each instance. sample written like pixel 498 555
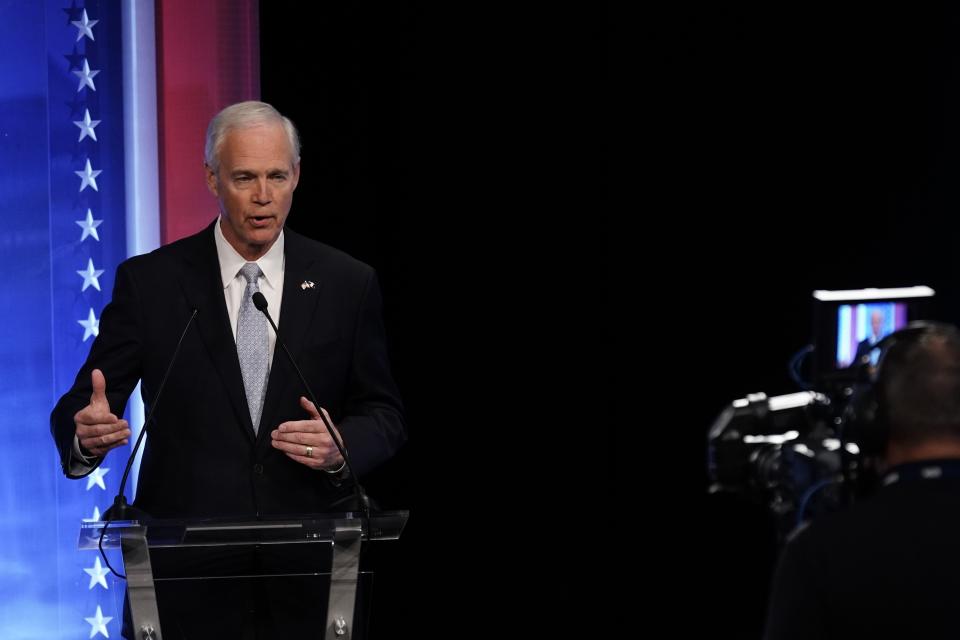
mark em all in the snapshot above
pixel 62 175
pixel 28 505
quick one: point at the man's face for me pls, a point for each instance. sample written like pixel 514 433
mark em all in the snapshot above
pixel 254 185
pixel 876 321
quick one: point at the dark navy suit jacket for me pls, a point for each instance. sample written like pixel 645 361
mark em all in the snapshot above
pixel 202 457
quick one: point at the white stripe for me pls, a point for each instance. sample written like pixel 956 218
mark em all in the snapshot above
pixel 141 172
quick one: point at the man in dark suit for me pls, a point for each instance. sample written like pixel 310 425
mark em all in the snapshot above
pixel 234 434
pixel 865 346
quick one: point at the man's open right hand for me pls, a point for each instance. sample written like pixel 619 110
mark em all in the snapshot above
pixel 98 430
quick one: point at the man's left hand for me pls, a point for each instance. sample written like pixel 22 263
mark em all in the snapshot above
pixel 307 441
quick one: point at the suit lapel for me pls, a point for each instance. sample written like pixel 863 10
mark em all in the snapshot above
pixel 203 289
pixel 296 313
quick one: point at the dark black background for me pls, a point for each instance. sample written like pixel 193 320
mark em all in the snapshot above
pixel 460 151
pixel 795 147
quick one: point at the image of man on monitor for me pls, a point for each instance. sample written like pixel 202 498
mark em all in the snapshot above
pixel 866 347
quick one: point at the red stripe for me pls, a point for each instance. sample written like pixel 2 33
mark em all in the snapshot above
pixel 208 56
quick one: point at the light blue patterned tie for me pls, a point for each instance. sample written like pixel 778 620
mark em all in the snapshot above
pixel 252 345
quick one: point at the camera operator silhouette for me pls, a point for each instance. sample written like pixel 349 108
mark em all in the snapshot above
pixel 888 566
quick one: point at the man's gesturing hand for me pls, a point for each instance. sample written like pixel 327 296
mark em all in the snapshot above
pixel 307 441
pixel 98 430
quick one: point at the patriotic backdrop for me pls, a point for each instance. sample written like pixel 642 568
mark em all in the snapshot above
pixel 102 111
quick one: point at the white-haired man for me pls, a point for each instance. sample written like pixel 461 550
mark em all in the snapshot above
pixel 234 434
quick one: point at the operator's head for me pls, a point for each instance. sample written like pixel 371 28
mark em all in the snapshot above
pixel 918 387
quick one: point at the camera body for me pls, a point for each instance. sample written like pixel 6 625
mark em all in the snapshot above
pixel 789 452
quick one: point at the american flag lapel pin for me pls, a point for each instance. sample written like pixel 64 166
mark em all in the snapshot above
pixel 306 284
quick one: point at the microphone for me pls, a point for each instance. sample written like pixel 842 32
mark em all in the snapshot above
pixel 260 302
pixel 120 509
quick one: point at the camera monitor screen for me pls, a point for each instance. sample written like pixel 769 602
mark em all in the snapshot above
pixel 862 325
pixel 849 323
